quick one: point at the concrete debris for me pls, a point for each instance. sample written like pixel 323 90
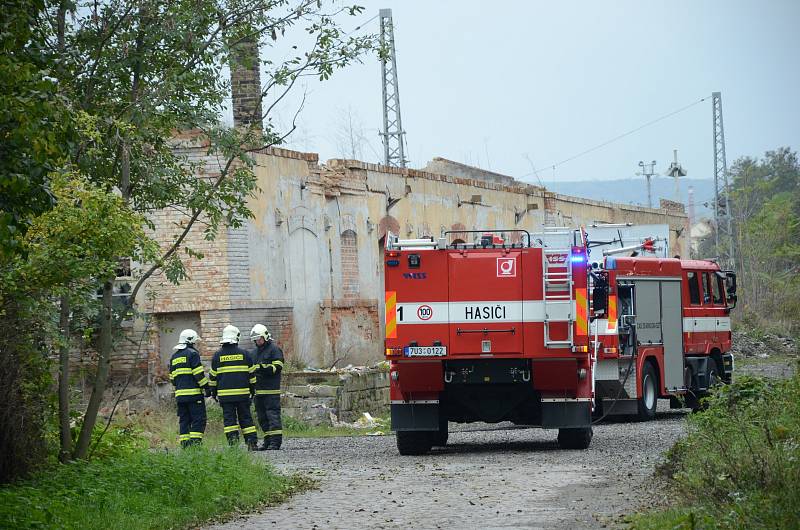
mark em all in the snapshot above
pixel 365 421
pixel 349 369
pixel 761 346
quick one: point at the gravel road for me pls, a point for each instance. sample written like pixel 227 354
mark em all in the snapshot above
pixel 486 477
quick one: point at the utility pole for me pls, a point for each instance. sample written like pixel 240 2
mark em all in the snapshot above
pixel 723 234
pixel 393 133
pixel 648 172
pixel 676 170
pixel 690 219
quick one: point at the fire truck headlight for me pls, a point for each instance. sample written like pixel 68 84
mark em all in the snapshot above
pixel 582 373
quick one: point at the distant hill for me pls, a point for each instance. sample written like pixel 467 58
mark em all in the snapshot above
pixel 634 191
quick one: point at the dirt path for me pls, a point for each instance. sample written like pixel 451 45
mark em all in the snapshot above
pixel 487 478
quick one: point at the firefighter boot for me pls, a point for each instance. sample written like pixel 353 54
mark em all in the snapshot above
pixel 275 442
pixel 264 445
pixel 233 438
pixel 252 443
pixel 185 443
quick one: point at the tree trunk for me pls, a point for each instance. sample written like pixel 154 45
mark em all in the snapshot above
pixel 63 382
pixel 103 365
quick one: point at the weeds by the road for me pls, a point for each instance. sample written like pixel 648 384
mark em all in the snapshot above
pixel 160 427
pixel 739 466
pixel 144 489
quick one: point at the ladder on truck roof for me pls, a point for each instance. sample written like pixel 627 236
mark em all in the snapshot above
pixel 557 288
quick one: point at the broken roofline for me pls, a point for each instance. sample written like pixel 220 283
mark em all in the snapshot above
pixel 195 139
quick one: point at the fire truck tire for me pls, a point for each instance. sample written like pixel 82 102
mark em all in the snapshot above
pixel 714 373
pixel 440 436
pixel 572 438
pixel 414 442
pixel 649 400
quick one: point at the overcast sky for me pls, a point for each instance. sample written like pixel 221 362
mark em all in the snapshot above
pixel 514 86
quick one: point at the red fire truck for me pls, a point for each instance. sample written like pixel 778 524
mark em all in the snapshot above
pixel 662 329
pixel 535 333
pixel 490 331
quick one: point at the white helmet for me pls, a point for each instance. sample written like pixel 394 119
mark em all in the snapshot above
pixel 260 330
pixel 188 336
pixel 230 335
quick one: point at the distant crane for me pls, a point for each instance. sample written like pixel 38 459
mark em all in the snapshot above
pixel 393 133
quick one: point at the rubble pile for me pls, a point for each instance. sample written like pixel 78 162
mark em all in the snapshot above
pixel 762 346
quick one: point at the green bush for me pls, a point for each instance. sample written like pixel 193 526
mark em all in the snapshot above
pixel 739 466
pixel 143 489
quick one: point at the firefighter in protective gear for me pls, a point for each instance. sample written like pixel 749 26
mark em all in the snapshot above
pixel 188 376
pixel 268 359
pixel 232 379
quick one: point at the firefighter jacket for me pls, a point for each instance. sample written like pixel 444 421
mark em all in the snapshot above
pixel 232 376
pixel 269 363
pixel 187 375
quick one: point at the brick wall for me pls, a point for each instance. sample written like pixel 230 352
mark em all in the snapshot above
pixel 238 264
pixel 349 251
pixel 246 84
pixel 277 319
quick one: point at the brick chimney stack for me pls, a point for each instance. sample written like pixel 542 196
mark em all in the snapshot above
pixel 246 84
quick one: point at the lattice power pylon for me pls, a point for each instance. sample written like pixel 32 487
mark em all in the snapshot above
pixel 722 206
pixel 393 133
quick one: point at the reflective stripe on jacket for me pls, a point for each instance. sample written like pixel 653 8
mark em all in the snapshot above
pixel 187 374
pixel 232 373
pixel 269 362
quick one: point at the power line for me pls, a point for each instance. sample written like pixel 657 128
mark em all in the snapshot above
pixel 361 25
pixel 623 135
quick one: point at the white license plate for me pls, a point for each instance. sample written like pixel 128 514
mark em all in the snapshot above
pixel 425 351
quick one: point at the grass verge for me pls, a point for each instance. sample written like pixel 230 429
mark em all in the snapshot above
pixel 739 466
pixel 144 490
pixel 160 427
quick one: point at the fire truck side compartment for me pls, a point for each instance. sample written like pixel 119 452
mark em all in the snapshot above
pixel 659 322
pixel 672 330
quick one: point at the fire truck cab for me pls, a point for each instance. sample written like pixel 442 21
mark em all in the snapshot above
pixel 662 329
pixel 490 331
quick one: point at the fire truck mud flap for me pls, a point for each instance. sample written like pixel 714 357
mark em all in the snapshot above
pixel 415 416
pixel 560 413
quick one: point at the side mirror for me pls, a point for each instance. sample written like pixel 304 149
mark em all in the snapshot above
pixel 732 301
pixel 627 320
pixel 730 288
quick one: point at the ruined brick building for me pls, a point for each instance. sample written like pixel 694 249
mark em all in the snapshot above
pixel 309 263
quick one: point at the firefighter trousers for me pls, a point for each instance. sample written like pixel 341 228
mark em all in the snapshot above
pixel 235 416
pixel 191 421
pixel 268 410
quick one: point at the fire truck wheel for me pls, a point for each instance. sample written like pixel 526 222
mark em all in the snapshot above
pixel 440 436
pixel 579 438
pixel 647 403
pixel 714 377
pixel 414 442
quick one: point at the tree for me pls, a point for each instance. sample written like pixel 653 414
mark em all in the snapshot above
pixel 766 206
pixel 136 71
pixel 34 123
pixel 350 136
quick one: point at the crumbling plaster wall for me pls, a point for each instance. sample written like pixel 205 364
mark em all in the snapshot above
pixel 309 263
pixel 325 202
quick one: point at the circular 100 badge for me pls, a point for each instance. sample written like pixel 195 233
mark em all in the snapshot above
pixel 424 312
